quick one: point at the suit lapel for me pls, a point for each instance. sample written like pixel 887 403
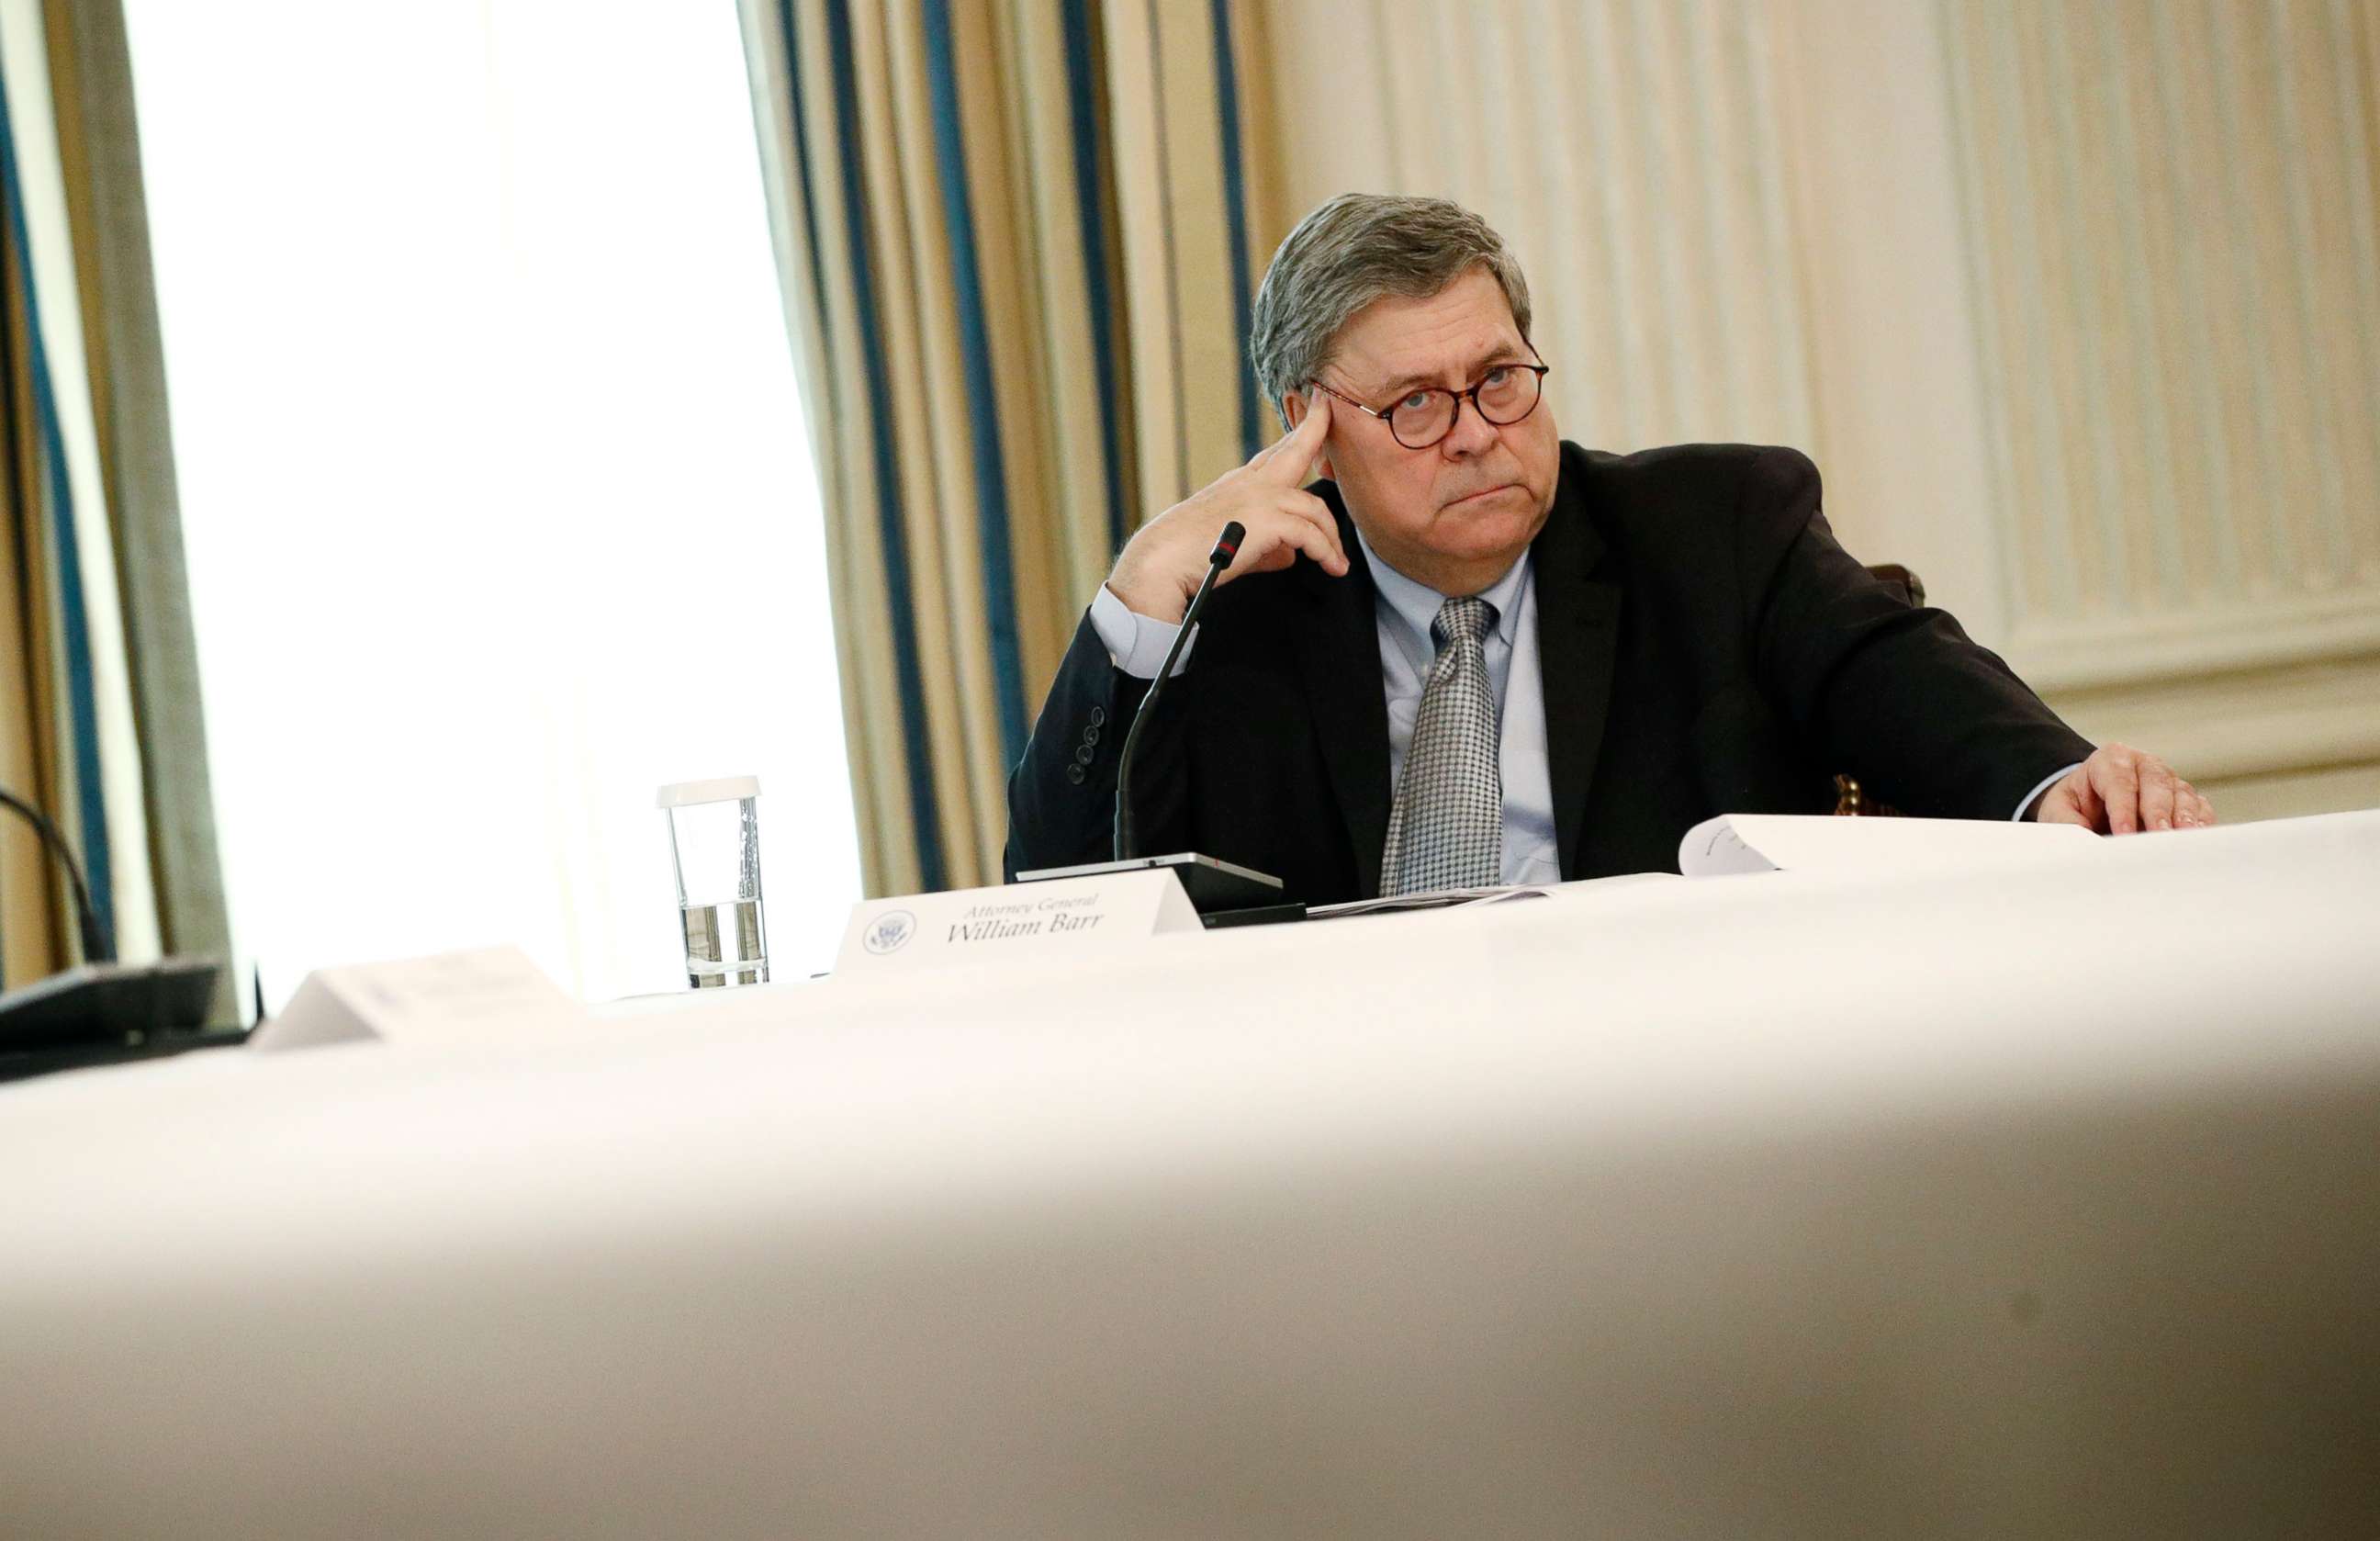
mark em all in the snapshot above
pixel 1338 653
pixel 1578 639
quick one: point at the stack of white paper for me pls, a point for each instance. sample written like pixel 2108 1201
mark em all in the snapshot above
pixel 1736 842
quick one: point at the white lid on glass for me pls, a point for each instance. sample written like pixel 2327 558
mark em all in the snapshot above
pixel 719 789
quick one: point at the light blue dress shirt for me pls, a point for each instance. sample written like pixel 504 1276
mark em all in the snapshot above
pixel 1403 612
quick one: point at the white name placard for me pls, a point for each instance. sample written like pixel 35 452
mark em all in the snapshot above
pixel 451 998
pixel 1065 914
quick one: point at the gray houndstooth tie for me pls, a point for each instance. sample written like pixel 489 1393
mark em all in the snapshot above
pixel 1447 827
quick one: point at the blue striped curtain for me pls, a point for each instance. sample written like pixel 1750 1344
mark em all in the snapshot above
pixel 99 702
pixel 1018 243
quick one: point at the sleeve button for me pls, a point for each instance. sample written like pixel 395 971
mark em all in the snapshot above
pixel 1091 736
pixel 1083 756
pixel 1098 716
pixel 1075 774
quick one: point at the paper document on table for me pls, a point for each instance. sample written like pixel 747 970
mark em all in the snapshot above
pixel 1768 842
pixel 1437 899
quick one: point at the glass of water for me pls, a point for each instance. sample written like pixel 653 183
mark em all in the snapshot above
pixel 715 840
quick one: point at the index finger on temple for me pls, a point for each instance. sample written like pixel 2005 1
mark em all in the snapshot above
pixel 1290 454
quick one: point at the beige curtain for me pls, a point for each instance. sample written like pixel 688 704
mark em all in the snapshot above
pixel 1018 246
pixel 99 703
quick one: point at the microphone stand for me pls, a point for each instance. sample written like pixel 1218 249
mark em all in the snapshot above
pixel 96 945
pixel 1223 894
pixel 1227 546
pixel 100 1009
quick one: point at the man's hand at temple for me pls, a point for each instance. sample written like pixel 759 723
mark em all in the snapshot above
pixel 1163 564
pixel 2123 791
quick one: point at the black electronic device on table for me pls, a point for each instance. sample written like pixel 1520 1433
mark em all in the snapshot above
pixel 1211 883
pixel 99 1013
pixel 101 1010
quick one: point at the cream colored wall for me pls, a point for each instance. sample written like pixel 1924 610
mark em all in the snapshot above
pixel 2077 304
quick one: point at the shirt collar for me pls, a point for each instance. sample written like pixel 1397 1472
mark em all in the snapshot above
pixel 1416 605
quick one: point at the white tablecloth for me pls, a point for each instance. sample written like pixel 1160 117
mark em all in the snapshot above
pixel 2044 1200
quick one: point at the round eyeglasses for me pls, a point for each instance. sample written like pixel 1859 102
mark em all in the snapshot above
pixel 1505 395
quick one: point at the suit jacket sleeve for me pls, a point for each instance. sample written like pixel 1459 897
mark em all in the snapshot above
pixel 1061 795
pixel 1897 695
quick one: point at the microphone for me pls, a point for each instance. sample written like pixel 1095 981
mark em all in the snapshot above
pixel 99 1009
pixel 1227 546
pixel 1222 892
pixel 96 947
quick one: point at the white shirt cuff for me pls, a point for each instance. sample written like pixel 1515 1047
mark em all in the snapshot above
pixel 1137 644
pixel 2034 796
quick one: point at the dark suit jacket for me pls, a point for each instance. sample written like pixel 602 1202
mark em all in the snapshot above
pixel 1707 648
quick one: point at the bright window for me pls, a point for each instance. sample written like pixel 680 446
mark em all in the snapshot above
pixel 498 499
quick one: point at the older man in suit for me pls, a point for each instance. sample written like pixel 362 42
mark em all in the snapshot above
pixel 1474 653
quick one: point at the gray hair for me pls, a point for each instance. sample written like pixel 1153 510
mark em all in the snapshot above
pixel 1354 250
